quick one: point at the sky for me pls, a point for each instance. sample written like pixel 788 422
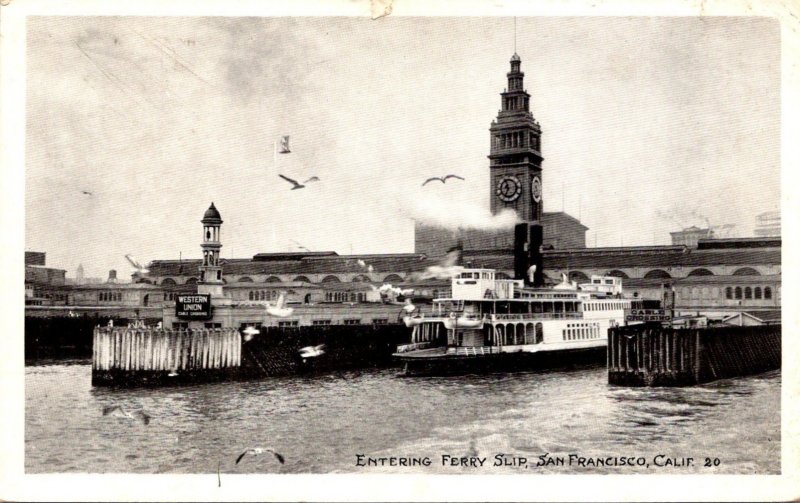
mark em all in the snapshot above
pixel 649 125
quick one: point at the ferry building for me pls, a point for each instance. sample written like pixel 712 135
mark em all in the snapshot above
pixel 715 275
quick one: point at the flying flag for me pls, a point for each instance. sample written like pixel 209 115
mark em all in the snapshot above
pixel 284 145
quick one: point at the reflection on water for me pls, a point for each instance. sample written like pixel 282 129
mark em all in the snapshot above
pixel 321 423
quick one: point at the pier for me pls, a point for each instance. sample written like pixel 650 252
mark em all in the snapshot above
pixel 139 356
pixel 653 355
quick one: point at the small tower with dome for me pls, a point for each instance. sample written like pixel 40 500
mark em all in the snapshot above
pixel 211 270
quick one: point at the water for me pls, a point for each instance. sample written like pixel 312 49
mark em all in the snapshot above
pixel 320 424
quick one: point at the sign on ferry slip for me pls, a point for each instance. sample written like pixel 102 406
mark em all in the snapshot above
pixel 647 315
pixel 193 307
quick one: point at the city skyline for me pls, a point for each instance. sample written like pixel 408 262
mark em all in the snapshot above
pixel 642 119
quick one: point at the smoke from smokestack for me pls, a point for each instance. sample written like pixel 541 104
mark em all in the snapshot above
pixel 459 215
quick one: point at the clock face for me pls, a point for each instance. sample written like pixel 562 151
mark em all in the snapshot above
pixel 508 188
pixel 536 189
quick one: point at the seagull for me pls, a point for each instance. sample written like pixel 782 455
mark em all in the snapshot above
pixel 441 179
pixel 116 410
pixel 136 265
pixel 249 332
pixel 86 192
pixel 258 450
pixel 296 184
pixel 312 351
pixel 278 309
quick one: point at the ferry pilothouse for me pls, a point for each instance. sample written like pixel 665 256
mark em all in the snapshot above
pixel 491 324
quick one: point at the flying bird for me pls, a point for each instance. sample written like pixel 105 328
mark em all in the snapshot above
pixel 312 351
pixel 258 450
pixel 116 410
pixel 278 309
pixel 441 179
pixel 249 332
pixel 298 185
pixel 86 192
pixel 136 265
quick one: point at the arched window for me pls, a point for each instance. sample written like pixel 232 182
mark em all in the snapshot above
pixel 245 279
pixel 729 293
pixel 617 273
pixel 738 292
pixel 746 271
pixel 700 272
pixel 695 292
pixel 302 279
pixel 191 281
pixel 250 296
pixel 704 293
pixel 393 279
pixel 657 273
pixel 331 279
pixel 767 292
pixel 361 279
pixel 757 292
pixel 748 293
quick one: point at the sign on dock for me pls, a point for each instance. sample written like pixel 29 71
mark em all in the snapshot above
pixel 193 307
pixel 647 315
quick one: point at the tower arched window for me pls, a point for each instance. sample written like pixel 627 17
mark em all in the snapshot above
pixel 729 293
pixel 748 293
pixel 767 292
pixel 757 292
pixel 738 292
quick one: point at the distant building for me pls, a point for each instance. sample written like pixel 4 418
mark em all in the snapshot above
pixel 690 236
pixel 34 258
pixel 768 224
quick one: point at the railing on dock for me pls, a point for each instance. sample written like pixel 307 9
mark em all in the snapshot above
pixel 652 355
pixel 150 349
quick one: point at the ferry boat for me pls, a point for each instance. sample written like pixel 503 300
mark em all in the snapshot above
pixel 488 324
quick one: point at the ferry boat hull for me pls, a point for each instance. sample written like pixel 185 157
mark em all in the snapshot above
pixel 436 361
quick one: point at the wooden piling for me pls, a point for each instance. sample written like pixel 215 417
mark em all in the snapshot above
pixel 663 356
pixel 133 353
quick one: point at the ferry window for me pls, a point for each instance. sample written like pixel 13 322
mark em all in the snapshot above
pixel 284 324
pixel 758 292
pixel 352 322
pixel 748 293
pixel 738 292
pixel 213 325
pixel 559 307
pixel 547 307
pixel 609 282
pixel 596 281
pixel 767 292
pixel 729 293
pixel 177 325
pixel 320 322
pixel 537 307
pixel 380 321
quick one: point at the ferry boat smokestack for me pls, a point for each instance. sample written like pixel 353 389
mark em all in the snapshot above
pixel 528 252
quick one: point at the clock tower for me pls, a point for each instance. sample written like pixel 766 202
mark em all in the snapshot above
pixel 515 154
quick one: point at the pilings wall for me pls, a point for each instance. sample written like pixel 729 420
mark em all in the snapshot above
pixel 652 355
pixel 131 356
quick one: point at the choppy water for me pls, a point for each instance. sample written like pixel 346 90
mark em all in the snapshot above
pixel 320 424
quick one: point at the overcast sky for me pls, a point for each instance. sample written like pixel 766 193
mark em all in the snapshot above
pixel 648 124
